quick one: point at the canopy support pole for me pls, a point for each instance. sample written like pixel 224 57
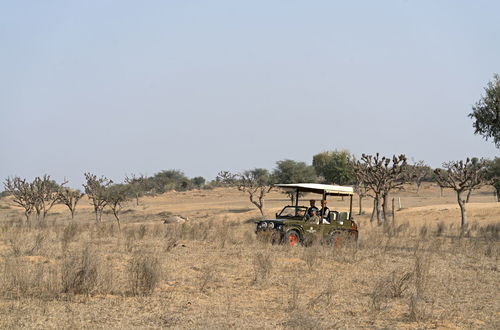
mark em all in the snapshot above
pixel 350 209
pixel 297 197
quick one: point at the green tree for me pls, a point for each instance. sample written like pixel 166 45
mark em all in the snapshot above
pixel 168 180
pixel 493 174
pixel 335 166
pixel 198 182
pixel 290 171
pixel 137 186
pixel 486 112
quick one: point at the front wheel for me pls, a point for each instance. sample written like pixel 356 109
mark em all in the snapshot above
pixel 292 238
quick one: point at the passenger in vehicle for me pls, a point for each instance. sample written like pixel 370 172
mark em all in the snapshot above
pixel 314 218
pixel 324 209
pixel 312 208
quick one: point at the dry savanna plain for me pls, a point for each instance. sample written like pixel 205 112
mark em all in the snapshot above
pixel 211 272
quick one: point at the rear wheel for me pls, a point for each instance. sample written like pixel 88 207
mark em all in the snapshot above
pixel 292 238
pixel 337 238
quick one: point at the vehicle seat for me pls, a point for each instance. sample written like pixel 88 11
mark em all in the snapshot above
pixel 343 216
pixel 332 216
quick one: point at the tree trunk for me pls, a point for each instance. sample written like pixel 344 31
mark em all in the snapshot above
pixel 27 214
pixel 393 213
pixel 72 210
pixel 374 210
pixel 440 191
pixel 38 212
pixel 418 186
pixel 463 213
pixel 379 211
pixel 360 205
pixel 261 209
pixel 468 196
pixel 260 205
pixel 117 219
pixel 384 206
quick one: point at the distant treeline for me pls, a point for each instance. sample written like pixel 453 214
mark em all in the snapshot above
pixel 332 167
pixel 372 175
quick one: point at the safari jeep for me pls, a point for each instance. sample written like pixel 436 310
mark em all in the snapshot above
pixel 294 225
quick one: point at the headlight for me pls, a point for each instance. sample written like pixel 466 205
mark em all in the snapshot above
pixel 280 227
pixel 271 225
pixel 263 225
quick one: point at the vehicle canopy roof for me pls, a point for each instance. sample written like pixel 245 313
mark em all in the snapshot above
pixel 317 188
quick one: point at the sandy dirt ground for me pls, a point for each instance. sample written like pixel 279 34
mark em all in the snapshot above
pixel 212 272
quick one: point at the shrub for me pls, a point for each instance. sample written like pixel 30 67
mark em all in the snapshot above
pixel 207 276
pixel 22 279
pixel 143 274
pixel 141 232
pixel 262 265
pixel 80 273
pixel 68 234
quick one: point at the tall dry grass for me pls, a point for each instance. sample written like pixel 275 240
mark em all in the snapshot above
pixel 216 274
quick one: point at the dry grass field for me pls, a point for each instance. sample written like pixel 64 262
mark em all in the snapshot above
pixel 211 273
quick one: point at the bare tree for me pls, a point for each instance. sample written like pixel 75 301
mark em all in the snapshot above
pixel 95 188
pixel 22 193
pixel 366 171
pixel 70 198
pixel 137 186
pixel 461 176
pixel 474 162
pixel 362 190
pixel 45 195
pixel 420 172
pixel 256 183
pixel 381 176
pixel 116 196
pixel 397 175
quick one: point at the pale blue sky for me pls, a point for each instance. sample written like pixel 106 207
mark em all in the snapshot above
pixel 117 87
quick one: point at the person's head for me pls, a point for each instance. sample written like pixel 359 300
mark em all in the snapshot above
pixel 323 202
pixel 312 202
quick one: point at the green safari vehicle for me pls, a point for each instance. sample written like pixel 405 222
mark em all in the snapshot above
pixel 294 224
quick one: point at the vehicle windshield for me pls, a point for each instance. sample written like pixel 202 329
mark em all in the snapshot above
pixel 293 211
